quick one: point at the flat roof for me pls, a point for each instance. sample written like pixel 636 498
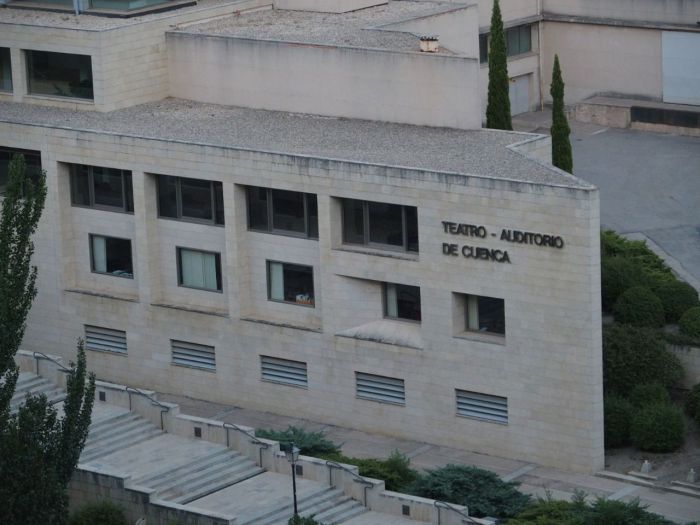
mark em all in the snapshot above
pixel 366 28
pixel 480 153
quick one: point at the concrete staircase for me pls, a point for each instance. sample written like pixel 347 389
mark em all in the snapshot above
pixel 28 383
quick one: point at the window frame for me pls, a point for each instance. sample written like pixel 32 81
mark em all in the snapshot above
pixel 366 228
pixel 268 264
pixel 468 330
pixel 91 236
pixel 178 202
pixel 29 62
pixel 270 212
pixel 484 54
pixel 11 79
pixel 219 276
pixel 385 304
pixel 91 189
pixel 25 153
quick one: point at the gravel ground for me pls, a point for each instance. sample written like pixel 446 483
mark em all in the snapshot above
pixel 479 152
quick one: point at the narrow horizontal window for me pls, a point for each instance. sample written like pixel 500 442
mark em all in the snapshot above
pixel 485 314
pixel 193 355
pixel 111 255
pixel 193 200
pixel 482 406
pixel 199 269
pixel 102 339
pixel 284 371
pixel 380 225
pixel 32 161
pixel 103 188
pixel 402 301
pixel 282 211
pixel 290 283
pixel 5 69
pixel 381 389
pixel 59 74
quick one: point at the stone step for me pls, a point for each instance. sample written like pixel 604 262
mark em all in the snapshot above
pixel 119 432
pixel 341 513
pixel 128 441
pixel 304 503
pixel 209 468
pixel 222 481
pixel 154 479
pixel 26 384
pixel 53 396
pixel 102 428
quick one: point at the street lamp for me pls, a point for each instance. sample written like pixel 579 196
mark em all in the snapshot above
pixel 292 457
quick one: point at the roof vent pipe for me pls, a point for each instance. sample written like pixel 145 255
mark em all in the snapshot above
pixel 429 44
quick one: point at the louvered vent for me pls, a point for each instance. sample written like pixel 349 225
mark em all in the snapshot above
pixel 482 406
pixel 193 355
pixel 105 339
pixel 283 371
pixel 380 388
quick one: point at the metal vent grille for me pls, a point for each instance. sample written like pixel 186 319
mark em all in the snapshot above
pixel 482 406
pixel 105 339
pixel 193 355
pixel 283 371
pixel 380 388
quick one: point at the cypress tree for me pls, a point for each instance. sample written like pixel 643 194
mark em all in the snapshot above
pixel 561 145
pixel 498 107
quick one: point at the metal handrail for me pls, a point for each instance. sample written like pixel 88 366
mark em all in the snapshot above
pixel 358 479
pixel 443 504
pixel 254 440
pixel 40 355
pixel 153 400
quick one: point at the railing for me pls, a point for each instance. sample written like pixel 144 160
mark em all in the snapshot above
pixel 357 478
pixel 163 408
pixel 444 505
pixel 252 438
pixel 38 356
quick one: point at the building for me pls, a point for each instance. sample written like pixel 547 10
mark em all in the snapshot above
pixel 316 224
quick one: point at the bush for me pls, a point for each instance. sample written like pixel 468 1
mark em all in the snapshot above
pixel 102 513
pixel 677 297
pixel 638 306
pixel 636 356
pixel 653 266
pixel 658 428
pixel 310 443
pixel 395 471
pixel 612 512
pixel 689 323
pixel 550 512
pixel 618 418
pixel 649 394
pixel 303 520
pixel 482 491
pixel 618 275
pixel 692 403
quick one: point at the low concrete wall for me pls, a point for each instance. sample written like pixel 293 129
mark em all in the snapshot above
pixel 689 356
pixel 337 81
pixel 684 12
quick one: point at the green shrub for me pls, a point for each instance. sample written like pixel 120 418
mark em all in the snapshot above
pixel 613 245
pixel 395 471
pixel 618 275
pixel 612 512
pixel 689 323
pixel 482 491
pixel 618 418
pixel 303 520
pixel 649 394
pixel 677 298
pixel 638 306
pixel 102 513
pixel 658 428
pixel 636 356
pixel 550 512
pixel 692 403
pixel 310 443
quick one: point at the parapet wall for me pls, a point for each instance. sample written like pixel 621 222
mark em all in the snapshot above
pixel 681 12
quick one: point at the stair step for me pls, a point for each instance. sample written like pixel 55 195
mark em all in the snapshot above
pixel 27 385
pixel 218 484
pixel 121 433
pixel 347 515
pixel 305 503
pixel 104 451
pixel 106 421
pixel 154 480
pixel 340 512
pixel 210 468
pixel 107 427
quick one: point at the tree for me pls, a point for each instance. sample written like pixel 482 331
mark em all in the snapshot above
pixel 561 145
pixel 498 107
pixel 38 449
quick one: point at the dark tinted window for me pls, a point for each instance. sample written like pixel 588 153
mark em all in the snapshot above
pixel 381 224
pixel 485 314
pixel 291 283
pixel 483 48
pixel 167 196
pixel 312 215
pixel 519 40
pixel 285 211
pixel 257 208
pixel 111 255
pixel 59 74
pixel 194 199
pixel 353 221
pixel 402 301
pixel 411 228
pixel 99 187
pixel 32 161
pixel 288 211
pixel 80 186
pixel 5 70
pixel 385 223
pixel 109 187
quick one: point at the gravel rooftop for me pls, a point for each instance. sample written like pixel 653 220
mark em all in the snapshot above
pixel 367 28
pixel 478 152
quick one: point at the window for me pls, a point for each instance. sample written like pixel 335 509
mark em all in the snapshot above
pixel 290 283
pixel 380 225
pixel 190 199
pixel 483 48
pixel 485 314
pixel 198 269
pixel 379 388
pixel 103 188
pixel 5 69
pixel 193 355
pixel 402 302
pixel 32 160
pixel 282 211
pixel 111 255
pixel 518 41
pixel 284 371
pixel 482 406
pixel 59 74
pixel 102 339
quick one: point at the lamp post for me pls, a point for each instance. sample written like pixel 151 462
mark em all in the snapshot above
pixel 292 457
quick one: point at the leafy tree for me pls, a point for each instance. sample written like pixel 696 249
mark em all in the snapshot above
pixel 309 443
pixel 38 449
pixel 498 106
pixel 395 471
pixel 617 413
pixel 103 512
pixel 639 306
pixel 561 145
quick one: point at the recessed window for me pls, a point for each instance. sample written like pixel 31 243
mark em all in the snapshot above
pixel 290 283
pixel 486 407
pixel 485 315
pixel 483 48
pixel 59 74
pixel 518 42
pixel 111 255
pixel 282 211
pixel 190 199
pixel 199 269
pixel 5 69
pixel 380 225
pixel 103 188
pixel 402 301
pixel 32 160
